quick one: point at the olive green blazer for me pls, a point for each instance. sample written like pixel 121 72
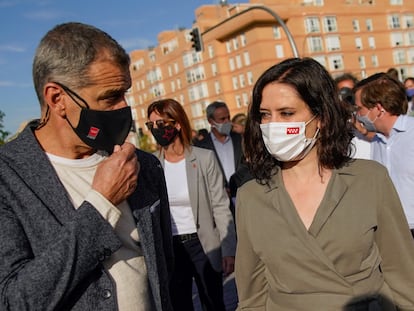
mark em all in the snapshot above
pixel 358 244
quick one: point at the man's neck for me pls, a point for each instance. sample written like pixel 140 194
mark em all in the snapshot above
pixel 220 137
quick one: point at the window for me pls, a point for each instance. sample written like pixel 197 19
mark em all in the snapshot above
pixel 238 61
pixel 320 59
pixel 332 43
pixel 408 21
pixel 276 32
pixel 231 64
pixel 361 61
pixel 369 25
pixel 396 2
pixel 238 101
pixel 196 110
pixel 410 55
pixel 399 57
pixel 243 39
pixel 358 43
pixel 246 57
pixel 371 42
pixel 228 47
pixel 210 51
pixel 250 78
pixel 329 24
pixel 394 21
pixel 245 99
pixel 315 44
pixel 217 87
pixel 279 51
pixel 397 39
pixel 409 38
pixel 355 25
pixel 312 24
pixel 235 44
pixel 335 62
pixel 374 60
pixel 214 69
pixel 242 80
pixel 235 83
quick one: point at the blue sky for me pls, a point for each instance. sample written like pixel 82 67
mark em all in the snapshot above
pixel 135 24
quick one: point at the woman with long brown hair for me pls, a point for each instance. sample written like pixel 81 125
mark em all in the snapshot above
pixel 203 228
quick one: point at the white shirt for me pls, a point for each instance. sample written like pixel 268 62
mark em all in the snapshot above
pixel 225 153
pixel 126 266
pixel 182 218
pixel 397 154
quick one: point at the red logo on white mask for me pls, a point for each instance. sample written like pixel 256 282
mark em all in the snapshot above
pixel 292 130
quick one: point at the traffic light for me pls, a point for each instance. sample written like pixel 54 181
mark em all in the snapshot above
pixel 196 39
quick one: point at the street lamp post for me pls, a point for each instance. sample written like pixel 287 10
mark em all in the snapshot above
pixel 271 12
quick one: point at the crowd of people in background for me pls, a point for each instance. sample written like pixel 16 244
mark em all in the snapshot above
pixel 306 197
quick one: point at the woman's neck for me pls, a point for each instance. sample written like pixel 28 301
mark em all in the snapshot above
pixel 174 152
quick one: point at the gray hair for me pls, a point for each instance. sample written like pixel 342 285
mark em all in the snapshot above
pixel 66 52
pixel 213 107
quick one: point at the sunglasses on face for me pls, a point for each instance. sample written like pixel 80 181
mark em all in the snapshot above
pixel 161 123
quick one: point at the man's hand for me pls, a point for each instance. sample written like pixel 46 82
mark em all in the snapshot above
pixel 228 265
pixel 116 177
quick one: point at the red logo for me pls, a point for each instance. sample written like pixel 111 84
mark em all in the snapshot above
pixel 93 132
pixel 292 130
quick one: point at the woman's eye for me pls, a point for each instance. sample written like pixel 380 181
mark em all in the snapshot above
pixel 264 115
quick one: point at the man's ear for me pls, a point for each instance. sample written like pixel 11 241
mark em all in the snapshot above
pixel 54 98
pixel 380 107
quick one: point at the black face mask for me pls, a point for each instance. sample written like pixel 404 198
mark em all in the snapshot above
pixel 164 136
pixel 102 130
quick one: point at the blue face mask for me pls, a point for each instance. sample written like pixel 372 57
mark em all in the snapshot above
pixel 367 123
pixel 410 93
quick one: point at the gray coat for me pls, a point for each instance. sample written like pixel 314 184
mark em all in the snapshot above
pixel 51 254
pixel 210 205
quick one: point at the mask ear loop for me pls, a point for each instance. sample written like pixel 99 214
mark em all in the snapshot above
pixel 44 120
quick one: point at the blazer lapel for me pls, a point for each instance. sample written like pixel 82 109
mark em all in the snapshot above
pixel 288 211
pixel 192 180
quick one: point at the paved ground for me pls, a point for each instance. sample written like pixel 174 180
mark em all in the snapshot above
pixel 230 294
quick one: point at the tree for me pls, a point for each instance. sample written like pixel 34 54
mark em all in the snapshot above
pixel 3 133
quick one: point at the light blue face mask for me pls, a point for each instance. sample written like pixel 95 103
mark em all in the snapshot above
pixel 367 123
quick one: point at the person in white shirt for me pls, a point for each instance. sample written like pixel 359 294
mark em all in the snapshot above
pixel 204 238
pixel 382 104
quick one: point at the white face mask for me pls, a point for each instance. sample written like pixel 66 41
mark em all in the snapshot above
pixel 223 128
pixel 286 141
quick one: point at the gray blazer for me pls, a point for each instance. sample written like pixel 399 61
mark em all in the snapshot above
pixel 210 205
pixel 51 254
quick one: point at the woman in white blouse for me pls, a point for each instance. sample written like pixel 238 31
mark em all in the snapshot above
pixel 202 224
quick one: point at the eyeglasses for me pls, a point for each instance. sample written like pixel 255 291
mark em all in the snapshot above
pixel 161 123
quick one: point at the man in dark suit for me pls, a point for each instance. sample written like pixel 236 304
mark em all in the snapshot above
pixel 227 145
pixel 85 220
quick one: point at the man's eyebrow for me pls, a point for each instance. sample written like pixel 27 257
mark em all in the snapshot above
pixel 112 93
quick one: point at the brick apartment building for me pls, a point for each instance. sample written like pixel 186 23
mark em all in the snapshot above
pixel 240 41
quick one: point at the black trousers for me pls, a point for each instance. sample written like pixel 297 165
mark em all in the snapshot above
pixel 191 261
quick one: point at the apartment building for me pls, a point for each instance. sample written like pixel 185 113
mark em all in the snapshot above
pixel 240 41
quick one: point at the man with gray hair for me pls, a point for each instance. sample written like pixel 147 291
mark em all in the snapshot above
pixel 85 216
pixel 227 145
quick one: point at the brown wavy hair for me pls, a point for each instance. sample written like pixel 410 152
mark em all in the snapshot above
pixel 315 86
